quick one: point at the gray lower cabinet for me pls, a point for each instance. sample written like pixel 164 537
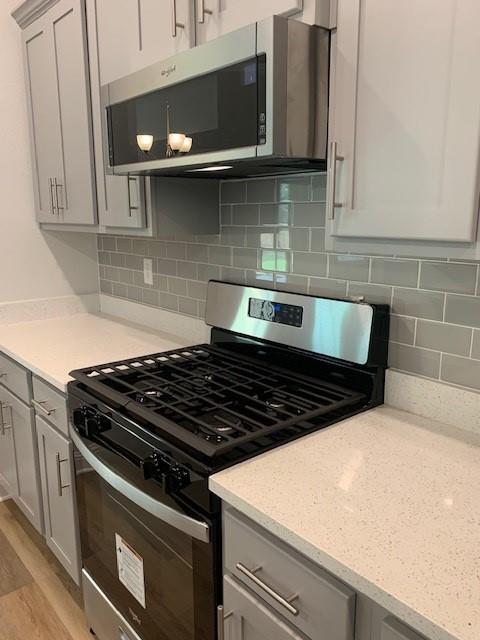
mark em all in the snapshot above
pixel 59 500
pixel 247 618
pixel 301 593
pixel 60 115
pixel 8 473
pixel 393 629
pixel 18 419
pixel 373 622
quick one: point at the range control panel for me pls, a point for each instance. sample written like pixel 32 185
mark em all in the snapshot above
pixel 279 312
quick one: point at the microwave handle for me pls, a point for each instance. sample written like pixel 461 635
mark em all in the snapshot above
pixel 194 528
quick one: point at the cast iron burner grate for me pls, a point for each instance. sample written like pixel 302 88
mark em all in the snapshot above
pixel 213 400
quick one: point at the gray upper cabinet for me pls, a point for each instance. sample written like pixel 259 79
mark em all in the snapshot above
pixel 123 202
pixel 132 35
pixel 59 501
pixel 406 161
pixel 18 418
pixel 60 115
pixel 247 618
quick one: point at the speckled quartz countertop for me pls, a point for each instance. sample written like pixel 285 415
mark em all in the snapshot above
pixel 387 501
pixel 52 348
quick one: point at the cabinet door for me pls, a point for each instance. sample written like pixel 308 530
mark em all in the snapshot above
pixel 57 74
pixel 8 472
pixel 217 18
pixel 75 196
pixel 58 489
pixel 44 116
pixel 393 629
pixel 27 496
pixel 121 200
pixel 131 35
pixel 247 618
pixel 406 120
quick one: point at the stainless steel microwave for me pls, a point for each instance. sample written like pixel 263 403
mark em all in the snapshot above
pixel 253 102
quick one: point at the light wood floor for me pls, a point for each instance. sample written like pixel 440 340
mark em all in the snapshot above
pixel 36 600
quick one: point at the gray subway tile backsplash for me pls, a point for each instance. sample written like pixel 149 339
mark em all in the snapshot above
pixel 462 371
pixel 463 310
pixel 261 190
pixel 308 214
pixel 402 329
pixel 403 273
pixel 272 235
pixel 476 344
pixel 421 304
pixel 310 264
pixel 443 337
pixel 414 360
pixel 448 276
pixel 348 267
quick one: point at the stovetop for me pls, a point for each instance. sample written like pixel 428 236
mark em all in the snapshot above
pixel 279 365
pixel 213 399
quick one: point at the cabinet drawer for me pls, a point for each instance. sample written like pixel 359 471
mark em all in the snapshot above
pixel 15 378
pixel 50 404
pixel 323 607
pixel 393 629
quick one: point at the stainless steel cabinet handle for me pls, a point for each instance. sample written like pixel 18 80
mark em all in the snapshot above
pixel 3 426
pixel 52 203
pixel 221 617
pixel 60 486
pixel 56 187
pixel 131 207
pixel 196 528
pixel 333 158
pixel 285 602
pixel 175 25
pixel 202 11
pixel 38 404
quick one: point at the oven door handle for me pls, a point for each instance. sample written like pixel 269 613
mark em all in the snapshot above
pixel 194 528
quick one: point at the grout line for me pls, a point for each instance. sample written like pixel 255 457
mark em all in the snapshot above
pixel 415 332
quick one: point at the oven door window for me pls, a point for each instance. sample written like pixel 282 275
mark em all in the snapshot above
pixel 160 578
pixel 220 110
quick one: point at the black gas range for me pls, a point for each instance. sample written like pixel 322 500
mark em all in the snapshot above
pixel 149 431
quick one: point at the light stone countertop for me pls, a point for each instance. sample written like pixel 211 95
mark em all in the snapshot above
pixel 387 501
pixel 53 347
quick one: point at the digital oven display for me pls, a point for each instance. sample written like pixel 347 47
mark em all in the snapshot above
pixel 278 312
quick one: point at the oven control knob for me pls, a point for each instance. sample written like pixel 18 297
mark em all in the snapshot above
pixel 176 479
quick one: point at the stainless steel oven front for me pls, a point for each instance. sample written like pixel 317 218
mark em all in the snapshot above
pixel 256 97
pixel 149 540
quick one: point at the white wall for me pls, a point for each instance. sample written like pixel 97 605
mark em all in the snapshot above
pixel 32 264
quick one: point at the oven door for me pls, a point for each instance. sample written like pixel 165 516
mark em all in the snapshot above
pixel 153 559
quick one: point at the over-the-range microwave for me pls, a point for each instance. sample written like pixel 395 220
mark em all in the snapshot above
pixel 253 102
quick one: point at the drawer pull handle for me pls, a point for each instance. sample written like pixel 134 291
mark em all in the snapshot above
pixel 39 405
pixel 285 602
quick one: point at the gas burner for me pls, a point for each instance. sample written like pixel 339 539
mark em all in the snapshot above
pixel 222 423
pixel 272 403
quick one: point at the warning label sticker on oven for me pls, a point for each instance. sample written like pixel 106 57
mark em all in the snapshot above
pixel 130 569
